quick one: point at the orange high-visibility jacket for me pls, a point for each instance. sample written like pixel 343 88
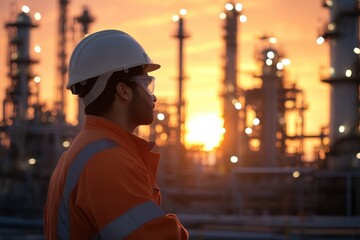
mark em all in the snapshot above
pixel 104 187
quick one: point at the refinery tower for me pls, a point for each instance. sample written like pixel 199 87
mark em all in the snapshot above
pixel 342 34
pixel 33 135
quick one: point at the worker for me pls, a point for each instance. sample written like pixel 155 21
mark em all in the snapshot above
pixel 104 186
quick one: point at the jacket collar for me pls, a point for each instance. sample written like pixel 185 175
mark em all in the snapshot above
pixel 94 122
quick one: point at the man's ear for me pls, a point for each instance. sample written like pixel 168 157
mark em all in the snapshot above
pixel 124 91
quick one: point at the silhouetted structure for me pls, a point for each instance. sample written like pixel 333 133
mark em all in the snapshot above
pixel 32 138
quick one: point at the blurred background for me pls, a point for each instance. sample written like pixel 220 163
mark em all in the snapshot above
pixel 257 118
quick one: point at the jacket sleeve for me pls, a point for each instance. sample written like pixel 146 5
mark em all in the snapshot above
pixel 119 203
pixel 161 228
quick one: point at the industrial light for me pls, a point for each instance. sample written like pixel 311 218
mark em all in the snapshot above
pixel 37 48
pixel 238 106
pixel 268 62
pixel 238 7
pixel 270 54
pixel 234 159
pixel 279 66
pixel 342 129
pixel 175 18
pixel 296 174
pixel 348 73
pixel 256 121
pixel 320 40
pixel 66 144
pixel 160 116
pixel 37 79
pixel 329 3
pixel 222 16
pixel 243 18
pixel 286 61
pixel 14 56
pixel 331 26
pixel 272 40
pixel 37 16
pixel 332 70
pixel 248 130
pixel 32 161
pixel 358 155
pixel 357 50
pixel 229 6
pixel 25 9
pixel 183 12
pixel 254 144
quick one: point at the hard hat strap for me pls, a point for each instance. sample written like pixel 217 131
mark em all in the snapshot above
pixel 97 89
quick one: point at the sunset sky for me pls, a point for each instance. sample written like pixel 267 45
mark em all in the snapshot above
pixel 296 25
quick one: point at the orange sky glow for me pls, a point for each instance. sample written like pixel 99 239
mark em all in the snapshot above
pixel 296 25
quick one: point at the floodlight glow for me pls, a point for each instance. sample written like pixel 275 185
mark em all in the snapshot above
pixel 234 159
pixel 243 18
pixel 37 16
pixel 229 6
pixel 272 40
pixel 32 161
pixel 357 50
pixel 160 116
pixel 248 130
pixel 37 48
pixel 183 12
pixel 37 79
pixel 238 7
pixel 25 9
pixel 270 54
pixel 256 121
pixel 222 16
pixel 342 129
pixel 175 18
pixel 286 61
pixel 296 174
pixel 66 144
pixel 238 106
pixel 320 40
pixel 348 73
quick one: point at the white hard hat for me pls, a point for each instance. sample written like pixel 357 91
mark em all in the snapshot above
pixel 103 53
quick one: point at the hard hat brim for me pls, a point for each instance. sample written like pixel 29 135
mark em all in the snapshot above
pixel 152 67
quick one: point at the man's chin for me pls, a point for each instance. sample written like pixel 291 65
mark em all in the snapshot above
pixel 147 121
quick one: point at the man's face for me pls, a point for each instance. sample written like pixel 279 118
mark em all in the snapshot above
pixel 142 106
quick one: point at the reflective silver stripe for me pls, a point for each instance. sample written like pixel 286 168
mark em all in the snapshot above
pixel 72 178
pixel 130 221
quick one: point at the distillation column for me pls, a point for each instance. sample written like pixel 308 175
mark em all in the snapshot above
pixel 230 145
pixel 343 36
pixel 85 19
pixel 271 87
pixel 16 103
pixel 20 62
pixel 181 35
pixel 62 64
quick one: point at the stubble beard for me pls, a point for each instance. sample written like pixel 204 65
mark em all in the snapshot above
pixel 142 113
